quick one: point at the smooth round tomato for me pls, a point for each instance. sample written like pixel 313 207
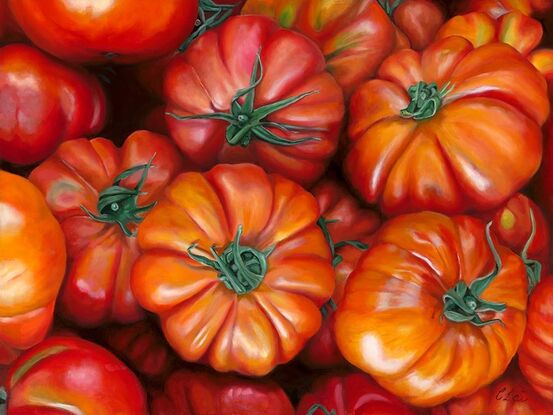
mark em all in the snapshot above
pixel 236 268
pixel 99 31
pixel 447 129
pixel 249 91
pixel 510 395
pixel 536 350
pixel 349 228
pixel 497 8
pixel 9 31
pixel 350 394
pixel 69 375
pixel 99 193
pixel 355 36
pixel 32 265
pixel 203 393
pixel 435 309
pixel 42 103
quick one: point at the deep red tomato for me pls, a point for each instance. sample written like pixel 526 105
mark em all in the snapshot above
pixel 42 103
pixel 32 265
pixel 250 91
pixel 99 193
pixel 98 31
pixel 349 228
pixel 9 31
pixel 350 394
pixel 65 375
pixel 203 393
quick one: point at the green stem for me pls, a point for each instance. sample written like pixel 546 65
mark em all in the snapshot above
pixel 390 6
pixel 247 122
pixel 426 100
pixel 241 268
pixel 320 407
pixel 119 205
pixel 533 267
pixel 337 259
pixel 3 401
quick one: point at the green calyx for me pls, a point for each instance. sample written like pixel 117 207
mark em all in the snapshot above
pixel 390 6
pixel 320 407
pixel 247 122
pixel 533 267
pixel 426 100
pixel 119 205
pixel 210 15
pixel 3 401
pixel 463 304
pixel 240 268
pixel 337 259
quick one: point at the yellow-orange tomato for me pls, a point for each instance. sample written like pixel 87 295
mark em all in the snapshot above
pixel 497 8
pixel 32 265
pixel 435 309
pixel 451 129
pixel 236 267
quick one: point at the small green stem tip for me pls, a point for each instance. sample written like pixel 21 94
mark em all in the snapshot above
pixel 3 401
pixel 320 407
pixel 390 6
pixel 533 267
pixel 119 205
pixel 426 100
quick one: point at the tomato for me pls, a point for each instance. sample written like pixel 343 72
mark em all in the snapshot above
pixel 9 31
pixel 535 354
pixel 447 129
pixel 203 393
pixel 32 264
pixel 92 31
pixel 350 394
pixel 99 193
pixel 349 228
pixel 244 268
pixel 70 375
pixel 249 91
pixel 42 103
pixel 435 309
pixel 496 8
pixel 513 28
pixel 355 36
pixel 142 347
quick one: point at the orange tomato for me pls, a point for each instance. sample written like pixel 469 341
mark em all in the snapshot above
pixel 32 265
pixel 356 35
pixel 435 309
pixel 497 8
pixel 448 129
pixel 99 31
pixel 236 268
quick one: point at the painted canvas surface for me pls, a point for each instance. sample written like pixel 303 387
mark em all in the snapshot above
pixel 276 207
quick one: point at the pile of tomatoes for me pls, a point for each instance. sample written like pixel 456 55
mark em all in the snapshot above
pixel 276 207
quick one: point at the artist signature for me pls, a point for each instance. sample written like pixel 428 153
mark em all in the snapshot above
pixel 511 395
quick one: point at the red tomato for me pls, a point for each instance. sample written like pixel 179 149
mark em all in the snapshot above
pixel 98 194
pixel 279 108
pixel 496 8
pixel 447 129
pixel 42 103
pixel 536 350
pixel 9 31
pixel 69 375
pixel 203 393
pixel 99 31
pixel 349 228
pixel 32 265
pixel 350 394
pixel 545 182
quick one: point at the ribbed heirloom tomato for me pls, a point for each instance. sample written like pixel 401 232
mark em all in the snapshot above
pixel 356 35
pixel 42 103
pixel 202 393
pixel 236 268
pixel 99 31
pixel 68 375
pixel 496 8
pixel 249 91
pixel 448 129
pixel 32 264
pixel 349 228
pixel 99 193
pixel 435 309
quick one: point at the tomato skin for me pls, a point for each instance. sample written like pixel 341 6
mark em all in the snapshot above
pixel 95 293
pixel 444 163
pixel 352 394
pixel 200 315
pixel 203 393
pixel 497 8
pixel 74 372
pixel 205 78
pixel 120 31
pixel 53 104
pixel 390 322
pixel 32 258
pixel 355 36
pixel 9 31
pixel 355 223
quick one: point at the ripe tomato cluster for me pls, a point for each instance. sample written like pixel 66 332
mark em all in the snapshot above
pixel 276 207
